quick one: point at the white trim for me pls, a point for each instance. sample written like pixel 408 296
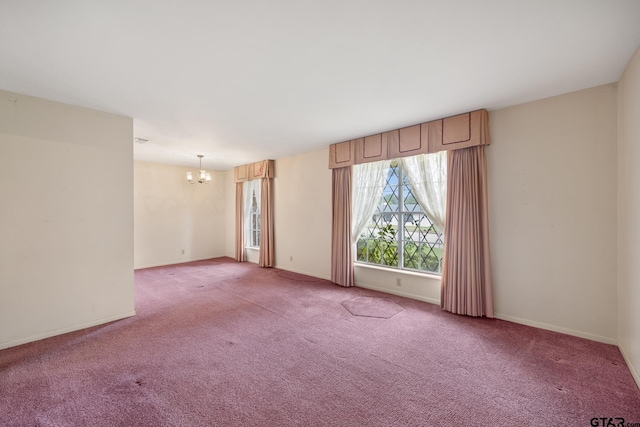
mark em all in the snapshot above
pixel 554 328
pixel 182 261
pixel 252 254
pixel 306 273
pixel 399 293
pixel 513 319
pixel 634 373
pixel 61 331
pixel 398 270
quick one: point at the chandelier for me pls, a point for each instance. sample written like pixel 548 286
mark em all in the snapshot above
pixel 204 177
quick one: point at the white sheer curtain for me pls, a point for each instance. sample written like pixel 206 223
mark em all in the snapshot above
pixel 427 176
pixel 248 189
pixel 368 184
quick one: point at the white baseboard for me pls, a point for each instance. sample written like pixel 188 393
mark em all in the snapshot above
pixel 555 328
pixel 61 331
pixel 399 293
pixel 632 368
pixel 306 273
pixel 175 262
pixel 501 316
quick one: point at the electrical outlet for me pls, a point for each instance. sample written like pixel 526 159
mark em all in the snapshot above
pixel 291 258
pixel 398 281
pixel 183 252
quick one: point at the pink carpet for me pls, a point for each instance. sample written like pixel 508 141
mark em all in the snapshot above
pixel 218 343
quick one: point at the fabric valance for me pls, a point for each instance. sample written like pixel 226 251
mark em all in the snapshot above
pixel 257 170
pixel 451 133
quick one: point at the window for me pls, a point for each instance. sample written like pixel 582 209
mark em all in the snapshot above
pixel 255 221
pixel 251 203
pixel 399 234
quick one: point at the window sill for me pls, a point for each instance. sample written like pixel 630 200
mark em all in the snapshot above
pixel 398 271
pixel 253 248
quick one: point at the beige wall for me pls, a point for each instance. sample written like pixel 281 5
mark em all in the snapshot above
pixel 302 214
pixel 172 216
pixel 230 214
pixel 552 202
pixel 629 215
pixel 406 284
pixel 552 196
pixel 66 218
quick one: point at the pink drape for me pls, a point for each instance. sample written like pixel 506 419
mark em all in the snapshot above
pixel 466 272
pixel 267 247
pixel 239 224
pixel 341 247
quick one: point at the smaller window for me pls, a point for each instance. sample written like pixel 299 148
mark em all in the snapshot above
pixel 254 216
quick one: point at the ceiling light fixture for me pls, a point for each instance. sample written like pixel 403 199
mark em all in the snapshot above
pixel 204 177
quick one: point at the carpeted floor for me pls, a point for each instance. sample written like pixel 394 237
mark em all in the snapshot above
pixel 218 343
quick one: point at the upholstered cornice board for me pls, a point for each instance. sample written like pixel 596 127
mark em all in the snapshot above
pixel 257 170
pixel 450 133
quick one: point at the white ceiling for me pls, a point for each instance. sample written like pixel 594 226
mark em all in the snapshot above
pixel 244 80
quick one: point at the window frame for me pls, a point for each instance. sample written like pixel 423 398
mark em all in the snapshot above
pixel 254 222
pixel 402 214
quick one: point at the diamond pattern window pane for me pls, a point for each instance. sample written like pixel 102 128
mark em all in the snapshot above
pixel 400 234
pixel 410 202
pixel 422 244
pixel 390 194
